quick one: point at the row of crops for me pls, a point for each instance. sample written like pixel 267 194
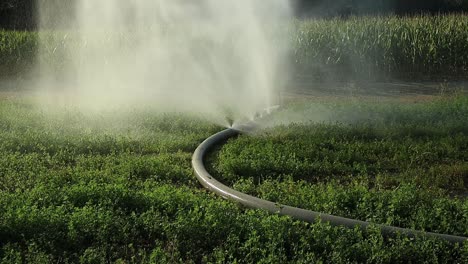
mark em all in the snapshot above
pixel 422 47
pixel 368 48
pixel 118 187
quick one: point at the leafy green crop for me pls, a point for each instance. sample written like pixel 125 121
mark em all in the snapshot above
pixel 398 164
pixel 118 187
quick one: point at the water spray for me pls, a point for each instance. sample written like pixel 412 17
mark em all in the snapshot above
pixel 172 55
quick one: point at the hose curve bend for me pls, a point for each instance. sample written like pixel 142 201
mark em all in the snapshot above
pixel 300 214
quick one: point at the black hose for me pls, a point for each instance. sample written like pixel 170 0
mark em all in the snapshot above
pixel 301 214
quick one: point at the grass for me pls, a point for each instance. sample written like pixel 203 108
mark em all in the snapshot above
pixel 118 187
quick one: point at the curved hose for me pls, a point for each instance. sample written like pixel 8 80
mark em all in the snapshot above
pixel 301 214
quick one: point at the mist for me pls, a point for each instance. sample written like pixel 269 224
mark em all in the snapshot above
pixel 218 58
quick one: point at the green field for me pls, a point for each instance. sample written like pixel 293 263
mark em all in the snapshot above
pixel 118 187
pixel 395 164
pixel 93 188
pixel 408 48
pixel 431 48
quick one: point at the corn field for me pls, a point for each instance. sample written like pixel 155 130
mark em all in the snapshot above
pixel 422 47
pixel 17 52
pixel 365 48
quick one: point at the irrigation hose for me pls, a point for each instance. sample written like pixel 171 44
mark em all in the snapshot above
pixel 300 214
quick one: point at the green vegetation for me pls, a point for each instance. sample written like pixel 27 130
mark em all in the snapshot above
pixel 118 187
pixel 367 48
pixel 422 47
pixel 17 52
pixel 396 164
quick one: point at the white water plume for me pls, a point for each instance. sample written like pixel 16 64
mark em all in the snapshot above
pixel 217 57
